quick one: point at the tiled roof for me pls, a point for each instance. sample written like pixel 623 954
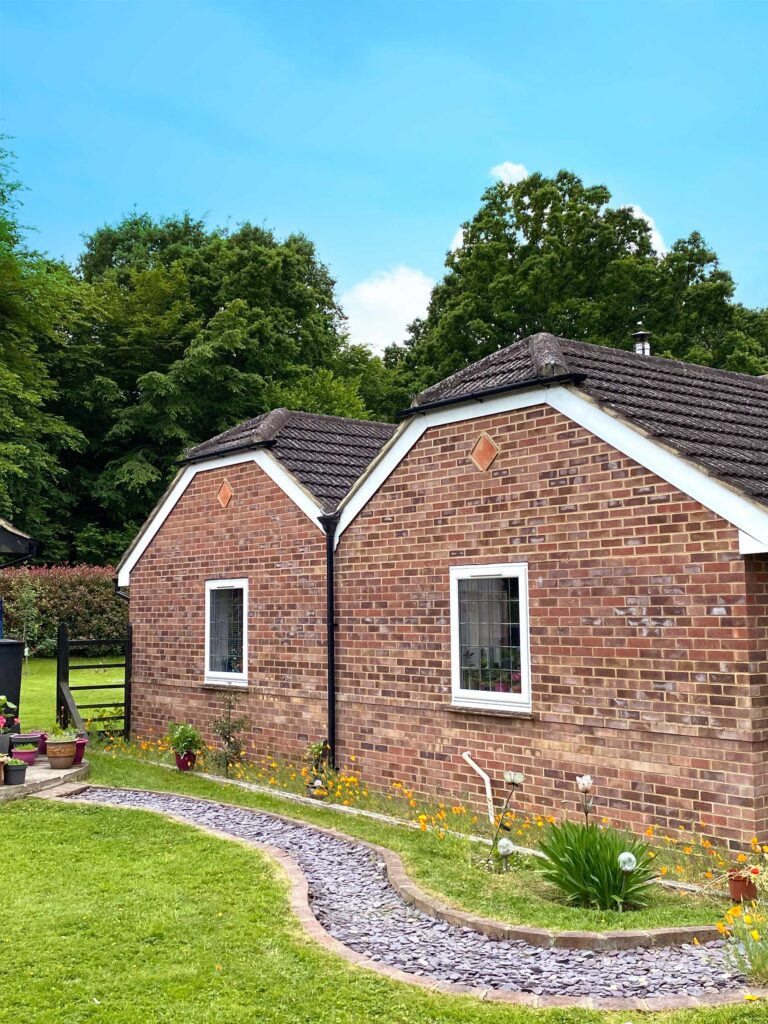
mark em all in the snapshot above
pixel 325 453
pixel 717 418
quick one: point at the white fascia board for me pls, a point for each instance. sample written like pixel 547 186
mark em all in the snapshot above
pixel 284 480
pixel 749 546
pixel 404 439
pixel 732 506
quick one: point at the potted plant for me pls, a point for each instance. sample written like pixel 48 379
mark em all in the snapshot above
pixel 186 743
pixel 8 723
pixel 742 883
pixel 80 743
pixel 30 736
pixel 26 752
pixel 3 759
pixel 61 749
pixel 14 772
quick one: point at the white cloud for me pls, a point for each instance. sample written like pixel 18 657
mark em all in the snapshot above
pixel 509 173
pixel 458 240
pixel 380 308
pixel 657 241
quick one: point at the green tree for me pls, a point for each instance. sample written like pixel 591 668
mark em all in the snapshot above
pixel 196 332
pixel 37 309
pixel 551 254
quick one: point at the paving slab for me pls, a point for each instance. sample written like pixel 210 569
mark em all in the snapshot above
pixel 40 777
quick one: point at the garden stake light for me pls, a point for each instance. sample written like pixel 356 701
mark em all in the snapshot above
pixel 514 780
pixel 584 785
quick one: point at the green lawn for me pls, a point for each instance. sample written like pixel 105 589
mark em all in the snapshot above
pixel 38 688
pixel 121 916
pixel 450 868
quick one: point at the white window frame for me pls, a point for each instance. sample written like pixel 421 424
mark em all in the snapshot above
pixel 235 679
pixel 476 699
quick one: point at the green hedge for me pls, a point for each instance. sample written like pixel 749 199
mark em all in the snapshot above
pixel 35 600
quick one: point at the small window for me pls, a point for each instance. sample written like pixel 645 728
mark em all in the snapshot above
pixel 489 636
pixel 226 631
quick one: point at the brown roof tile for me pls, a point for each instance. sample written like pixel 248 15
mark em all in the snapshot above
pixel 325 453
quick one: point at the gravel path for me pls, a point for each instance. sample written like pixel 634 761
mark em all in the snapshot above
pixel 353 900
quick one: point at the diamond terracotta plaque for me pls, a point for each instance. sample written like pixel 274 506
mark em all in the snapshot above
pixel 224 494
pixel 484 452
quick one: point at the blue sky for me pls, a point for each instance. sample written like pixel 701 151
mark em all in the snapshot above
pixel 374 127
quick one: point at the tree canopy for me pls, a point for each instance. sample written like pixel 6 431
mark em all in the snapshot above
pixel 551 254
pixel 166 332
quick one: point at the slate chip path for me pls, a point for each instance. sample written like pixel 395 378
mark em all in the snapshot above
pixel 353 900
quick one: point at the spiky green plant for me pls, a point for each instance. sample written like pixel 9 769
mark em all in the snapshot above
pixel 583 862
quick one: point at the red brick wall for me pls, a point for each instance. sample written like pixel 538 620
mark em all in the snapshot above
pixel 757 607
pixel 264 536
pixel 640 640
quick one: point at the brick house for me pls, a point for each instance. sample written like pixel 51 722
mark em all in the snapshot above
pixel 558 561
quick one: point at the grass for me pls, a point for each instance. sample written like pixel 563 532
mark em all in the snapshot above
pixel 38 688
pixel 138 918
pixel 451 868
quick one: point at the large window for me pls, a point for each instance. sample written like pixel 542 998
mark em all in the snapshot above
pixel 226 632
pixel 489 636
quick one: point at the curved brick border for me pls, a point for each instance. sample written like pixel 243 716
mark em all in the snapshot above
pixel 298 891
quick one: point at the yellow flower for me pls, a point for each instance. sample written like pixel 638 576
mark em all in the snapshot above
pixel 755 934
pixel 741 858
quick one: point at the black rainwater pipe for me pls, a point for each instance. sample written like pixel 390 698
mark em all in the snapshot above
pixel 329 523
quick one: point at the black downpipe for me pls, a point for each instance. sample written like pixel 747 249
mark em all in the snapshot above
pixel 329 523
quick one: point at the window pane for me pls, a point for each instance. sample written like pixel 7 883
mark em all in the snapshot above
pixel 489 634
pixel 226 630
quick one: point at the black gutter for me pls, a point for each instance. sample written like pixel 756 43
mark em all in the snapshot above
pixel 478 396
pixel 329 523
pixel 220 453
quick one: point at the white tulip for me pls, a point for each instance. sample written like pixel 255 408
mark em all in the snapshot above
pixel 584 783
pixel 627 862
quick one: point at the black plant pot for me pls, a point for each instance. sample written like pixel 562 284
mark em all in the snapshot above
pixel 5 742
pixel 14 774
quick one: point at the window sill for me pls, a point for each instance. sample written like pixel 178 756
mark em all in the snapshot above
pixel 473 709
pixel 225 684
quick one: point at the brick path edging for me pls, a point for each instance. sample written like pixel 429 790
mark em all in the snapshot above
pixel 298 894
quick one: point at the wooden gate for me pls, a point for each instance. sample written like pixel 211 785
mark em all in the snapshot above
pixel 68 710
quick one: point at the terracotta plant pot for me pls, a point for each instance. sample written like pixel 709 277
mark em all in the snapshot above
pixel 81 743
pixel 186 762
pixel 61 753
pixel 14 774
pixel 27 756
pixel 741 888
